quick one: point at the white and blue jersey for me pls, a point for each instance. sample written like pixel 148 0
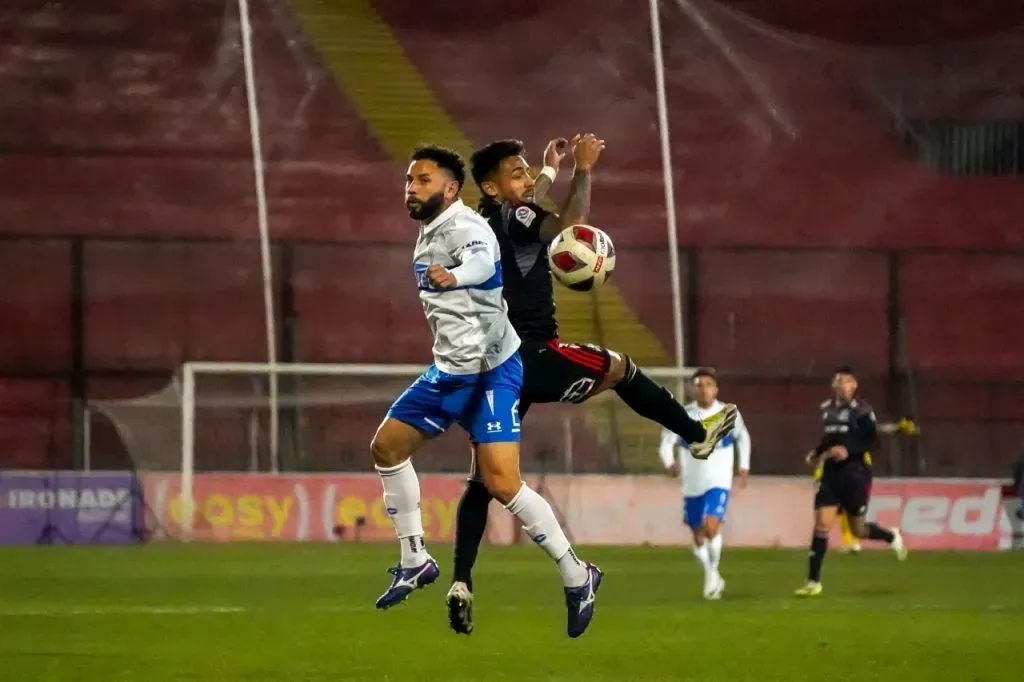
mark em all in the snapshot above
pixel 477 376
pixel 707 482
pixel 472 333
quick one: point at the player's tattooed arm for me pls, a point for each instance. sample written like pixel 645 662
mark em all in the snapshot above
pixel 540 188
pixel 576 209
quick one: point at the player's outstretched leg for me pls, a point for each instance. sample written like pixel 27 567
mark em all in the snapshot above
pixel 649 400
pixel 392 447
pixel 873 531
pixel 656 403
pixel 499 469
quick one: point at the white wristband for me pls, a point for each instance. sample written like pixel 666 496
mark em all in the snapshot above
pixel 550 172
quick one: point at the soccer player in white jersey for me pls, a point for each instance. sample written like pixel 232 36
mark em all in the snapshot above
pixel 475 381
pixel 707 482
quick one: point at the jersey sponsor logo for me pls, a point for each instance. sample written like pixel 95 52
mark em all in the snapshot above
pixel 472 244
pixel 525 215
pixel 577 391
pixel 493 427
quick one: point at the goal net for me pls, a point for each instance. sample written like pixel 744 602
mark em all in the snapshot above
pixel 222 417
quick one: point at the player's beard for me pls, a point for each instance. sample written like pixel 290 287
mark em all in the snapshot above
pixel 425 211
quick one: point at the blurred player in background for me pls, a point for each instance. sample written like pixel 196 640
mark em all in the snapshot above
pixel 850 542
pixel 850 432
pixel 707 481
pixel 553 371
pixel 476 381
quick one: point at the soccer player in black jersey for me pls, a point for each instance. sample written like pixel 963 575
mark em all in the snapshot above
pixel 553 371
pixel 850 431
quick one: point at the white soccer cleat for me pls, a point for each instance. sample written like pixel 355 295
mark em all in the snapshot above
pixel 898 546
pixel 460 608
pixel 811 589
pixel 714 587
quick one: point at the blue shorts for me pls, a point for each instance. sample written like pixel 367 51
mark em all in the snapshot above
pixel 712 503
pixel 486 405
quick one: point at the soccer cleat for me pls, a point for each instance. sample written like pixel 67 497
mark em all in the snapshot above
pixel 460 608
pixel 716 428
pixel 716 589
pixel 898 546
pixel 852 548
pixel 579 601
pixel 406 580
pixel 811 589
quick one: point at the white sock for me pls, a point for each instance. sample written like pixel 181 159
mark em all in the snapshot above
pixel 539 521
pixel 701 552
pixel 402 503
pixel 714 546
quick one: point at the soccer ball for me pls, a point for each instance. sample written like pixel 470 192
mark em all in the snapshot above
pixel 582 257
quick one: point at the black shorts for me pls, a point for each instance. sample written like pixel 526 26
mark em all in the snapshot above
pixel 848 488
pixel 556 372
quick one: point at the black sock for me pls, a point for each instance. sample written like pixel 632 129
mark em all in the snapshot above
pixel 876 532
pixel 653 402
pixel 819 545
pixel 470 522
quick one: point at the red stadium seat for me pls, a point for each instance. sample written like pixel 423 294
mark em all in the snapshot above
pixel 155 305
pixel 35 306
pixel 35 426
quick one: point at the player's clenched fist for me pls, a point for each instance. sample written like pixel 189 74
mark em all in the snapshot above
pixel 439 277
pixel 586 149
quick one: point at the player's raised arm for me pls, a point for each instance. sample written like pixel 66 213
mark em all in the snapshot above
pixel 586 149
pixel 553 155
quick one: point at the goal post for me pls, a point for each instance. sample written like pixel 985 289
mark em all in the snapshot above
pixel 216 417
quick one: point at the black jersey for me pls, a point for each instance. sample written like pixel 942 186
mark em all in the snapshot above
pixel 526 278
pixel 851 425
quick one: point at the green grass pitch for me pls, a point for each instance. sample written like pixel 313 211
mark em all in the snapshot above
pixel 305 612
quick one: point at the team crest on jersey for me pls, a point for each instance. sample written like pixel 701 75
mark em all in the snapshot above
pixel 525 215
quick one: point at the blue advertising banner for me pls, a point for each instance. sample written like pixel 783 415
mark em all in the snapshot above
pixel 69 507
